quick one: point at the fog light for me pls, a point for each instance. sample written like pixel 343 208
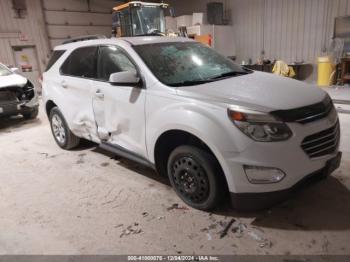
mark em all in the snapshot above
pixel 263 175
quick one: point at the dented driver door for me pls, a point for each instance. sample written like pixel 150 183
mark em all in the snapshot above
pixel 118 110
pixel 74 91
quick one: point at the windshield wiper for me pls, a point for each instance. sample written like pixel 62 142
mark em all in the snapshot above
pixel 211 79
pixel 191 83
pixel 228 74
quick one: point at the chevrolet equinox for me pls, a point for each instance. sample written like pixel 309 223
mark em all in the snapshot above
pixel 213 127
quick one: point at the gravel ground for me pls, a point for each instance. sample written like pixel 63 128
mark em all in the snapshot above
pixel 89 202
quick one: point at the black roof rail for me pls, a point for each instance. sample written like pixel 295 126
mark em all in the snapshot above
pixel 83 38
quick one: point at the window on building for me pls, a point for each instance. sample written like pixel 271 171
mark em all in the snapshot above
pixel 20 8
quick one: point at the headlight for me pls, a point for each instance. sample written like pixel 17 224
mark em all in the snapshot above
pixel 28 90
pixel 259 126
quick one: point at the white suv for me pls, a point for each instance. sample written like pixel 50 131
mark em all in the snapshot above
pixel 210 125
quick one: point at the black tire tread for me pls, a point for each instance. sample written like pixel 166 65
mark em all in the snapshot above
pixel 72 140
pixel 213 170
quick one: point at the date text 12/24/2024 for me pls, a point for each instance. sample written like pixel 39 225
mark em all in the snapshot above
pixel 173 258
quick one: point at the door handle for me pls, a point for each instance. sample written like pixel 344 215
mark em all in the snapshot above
pixel 64 84
pixel 99 94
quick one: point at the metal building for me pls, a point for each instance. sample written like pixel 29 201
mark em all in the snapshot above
pixel 29 29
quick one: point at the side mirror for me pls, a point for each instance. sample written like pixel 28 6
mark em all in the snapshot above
pixel 124 78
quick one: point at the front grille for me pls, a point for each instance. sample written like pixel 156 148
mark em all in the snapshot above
pixel 8 98
pixel 306 114
pixel 322 143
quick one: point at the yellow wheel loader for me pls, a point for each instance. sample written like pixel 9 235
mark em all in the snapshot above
pixel 138 18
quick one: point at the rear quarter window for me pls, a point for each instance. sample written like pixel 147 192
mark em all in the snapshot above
pixel 54 57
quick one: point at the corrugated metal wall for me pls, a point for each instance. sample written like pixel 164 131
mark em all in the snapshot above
pixel 27 31
pixel 291 30
pixel 70 18
pixel 47 23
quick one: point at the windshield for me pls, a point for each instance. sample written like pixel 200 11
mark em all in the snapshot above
pixel 187 63
pixel 4 71
pixel 148 20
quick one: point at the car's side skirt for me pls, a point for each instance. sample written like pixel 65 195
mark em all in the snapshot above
pixel 120 151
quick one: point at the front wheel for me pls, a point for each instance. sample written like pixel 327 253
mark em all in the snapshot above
pixel 61 132
pixel 196 177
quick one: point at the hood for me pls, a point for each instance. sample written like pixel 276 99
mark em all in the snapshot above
pixel 259 91
pixel 12 80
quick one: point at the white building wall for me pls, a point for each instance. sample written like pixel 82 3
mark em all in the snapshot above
pixel 71 18
pixel 27 31
pixel 47 23
pixel 291 30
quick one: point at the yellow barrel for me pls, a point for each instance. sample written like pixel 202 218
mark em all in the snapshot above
pixel 325 70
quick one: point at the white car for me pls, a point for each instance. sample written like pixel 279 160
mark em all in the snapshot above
pixel 17 95
pixel 210 125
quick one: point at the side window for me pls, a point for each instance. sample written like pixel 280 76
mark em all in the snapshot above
pixel 54 57
pixel 81 63
pixel 112 60
pixel 125 22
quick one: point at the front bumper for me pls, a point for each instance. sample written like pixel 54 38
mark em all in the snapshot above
pixel 257 201
pixel 287 156
pixel 11 109
pixel 18 99
pixel 11 105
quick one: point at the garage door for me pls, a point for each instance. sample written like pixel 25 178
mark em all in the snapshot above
pixel 70 18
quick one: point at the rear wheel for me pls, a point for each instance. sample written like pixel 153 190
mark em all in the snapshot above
pixel 196 177
pixel 60 130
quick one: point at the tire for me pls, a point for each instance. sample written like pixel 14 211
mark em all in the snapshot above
pixel 196 177
pixel 31 115
pixel 61 132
